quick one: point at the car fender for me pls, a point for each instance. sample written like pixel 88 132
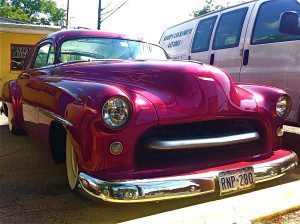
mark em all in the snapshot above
pixel 266 96
pixel 12 98
pixel 88 131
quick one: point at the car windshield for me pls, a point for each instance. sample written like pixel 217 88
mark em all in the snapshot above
pixel 96 48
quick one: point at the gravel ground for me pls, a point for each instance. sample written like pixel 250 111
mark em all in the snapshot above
pixel 292 217
pixel 35 190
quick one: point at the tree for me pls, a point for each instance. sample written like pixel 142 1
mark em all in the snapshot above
pixel 12 12
pixel 210 6
pixel 43 12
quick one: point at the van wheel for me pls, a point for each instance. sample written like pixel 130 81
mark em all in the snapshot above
pixel 12 128
pixel 71 164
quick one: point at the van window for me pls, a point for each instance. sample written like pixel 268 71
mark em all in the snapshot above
pixel 45 56
pixel 203 33
pixel 229 29
pixel 266 29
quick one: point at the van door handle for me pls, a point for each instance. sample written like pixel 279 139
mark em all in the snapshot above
pixel 246 57
pixel 212 59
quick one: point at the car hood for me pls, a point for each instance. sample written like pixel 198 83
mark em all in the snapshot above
pixel 178 90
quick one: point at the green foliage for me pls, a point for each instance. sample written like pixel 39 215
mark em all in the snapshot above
pixel 210 6
pixel 13 12
pixel 43 12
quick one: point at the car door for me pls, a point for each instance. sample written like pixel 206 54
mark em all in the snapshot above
pixel 202 39
pixel 30 83
pixel 228 40
pixel 273 58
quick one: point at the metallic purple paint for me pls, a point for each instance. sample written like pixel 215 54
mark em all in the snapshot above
pixel 160 92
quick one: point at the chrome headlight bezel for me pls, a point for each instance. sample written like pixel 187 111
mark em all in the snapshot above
pixel 116 105
pixel 283 106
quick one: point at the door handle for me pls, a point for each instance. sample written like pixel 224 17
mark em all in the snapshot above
pixel 246 57
pixel 212 59
pixel 24 76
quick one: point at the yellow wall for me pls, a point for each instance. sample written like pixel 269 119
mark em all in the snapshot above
pixel 7 38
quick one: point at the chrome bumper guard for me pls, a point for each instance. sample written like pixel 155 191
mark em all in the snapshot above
pixel 156 189
pixel 198 143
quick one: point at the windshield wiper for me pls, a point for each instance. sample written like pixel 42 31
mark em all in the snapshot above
pixel 108 59
pixel 73 62
pixel 90 60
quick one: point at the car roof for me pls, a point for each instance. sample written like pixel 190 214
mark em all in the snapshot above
pixel 58 36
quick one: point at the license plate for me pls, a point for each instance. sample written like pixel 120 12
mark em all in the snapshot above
pixel 231 181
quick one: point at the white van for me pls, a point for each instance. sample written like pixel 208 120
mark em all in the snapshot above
pixel 255 42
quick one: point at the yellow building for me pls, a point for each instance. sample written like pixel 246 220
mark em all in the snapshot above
pixel 16 39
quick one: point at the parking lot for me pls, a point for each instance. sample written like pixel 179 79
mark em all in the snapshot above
pixel 35 190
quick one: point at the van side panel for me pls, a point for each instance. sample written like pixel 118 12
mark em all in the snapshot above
pixel 228 39
pixel 177 40
pixel 273 61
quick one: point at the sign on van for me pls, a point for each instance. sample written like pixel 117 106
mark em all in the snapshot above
pixel 176 40
pixel 175 35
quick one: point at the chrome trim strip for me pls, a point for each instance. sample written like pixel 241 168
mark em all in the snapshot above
pixel 55 117
pixel 154 189
pixel 30 105
pixel 50 114
pixel 224 140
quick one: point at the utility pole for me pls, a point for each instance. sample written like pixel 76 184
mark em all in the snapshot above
pixel 99 15
pixel 67 22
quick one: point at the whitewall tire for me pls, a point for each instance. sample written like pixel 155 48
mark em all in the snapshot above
pixel 71 164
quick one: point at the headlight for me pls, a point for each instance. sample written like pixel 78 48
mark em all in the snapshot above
pixel 116 112
pixel 283 106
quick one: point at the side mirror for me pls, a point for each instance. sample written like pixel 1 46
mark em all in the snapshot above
pixel 289 23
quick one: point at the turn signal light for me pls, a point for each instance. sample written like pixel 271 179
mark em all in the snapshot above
pixel 116 148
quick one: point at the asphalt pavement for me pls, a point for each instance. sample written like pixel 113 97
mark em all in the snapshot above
pixel 34 190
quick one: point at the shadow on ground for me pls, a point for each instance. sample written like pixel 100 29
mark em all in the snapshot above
pixel 35 190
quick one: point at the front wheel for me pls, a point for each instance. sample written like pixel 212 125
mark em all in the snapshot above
pixel 12 128
pixel 71 164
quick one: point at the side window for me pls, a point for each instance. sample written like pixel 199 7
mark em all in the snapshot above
pixel 229 29
pixel 266 29
pixel 203 33
pixel 51 55
pixel 45 56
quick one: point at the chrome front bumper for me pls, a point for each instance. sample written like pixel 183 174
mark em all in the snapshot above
pixel 155 189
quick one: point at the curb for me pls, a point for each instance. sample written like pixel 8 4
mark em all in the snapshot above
pixel 239 209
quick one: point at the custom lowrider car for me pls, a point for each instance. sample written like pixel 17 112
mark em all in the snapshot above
pixel 133 126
